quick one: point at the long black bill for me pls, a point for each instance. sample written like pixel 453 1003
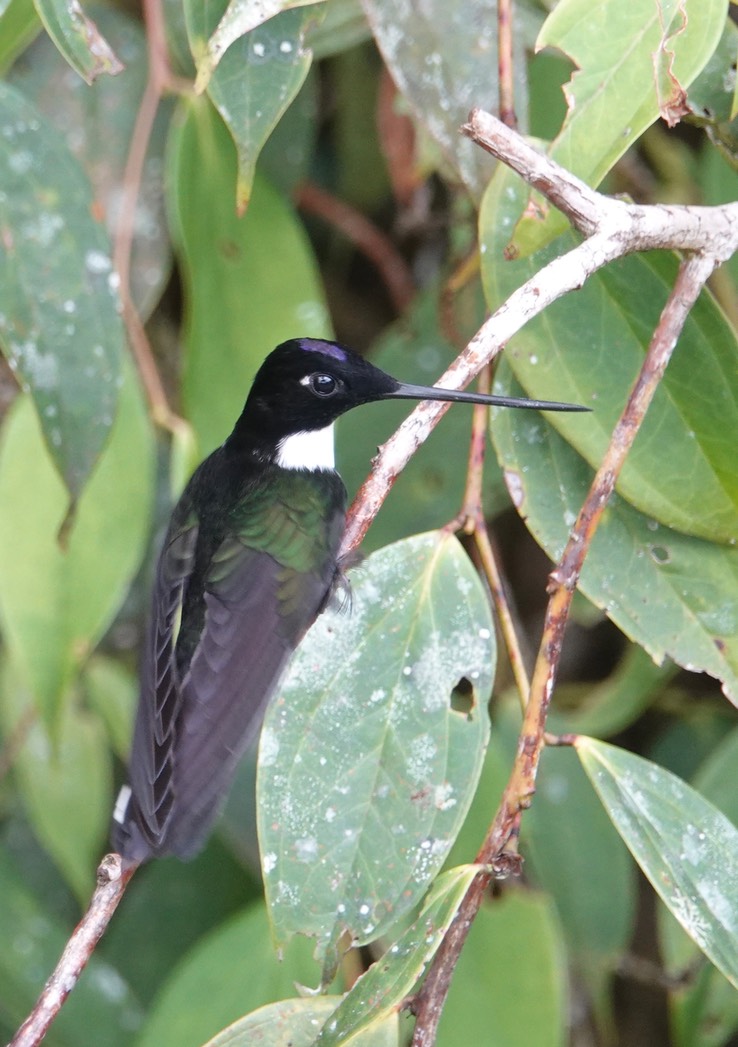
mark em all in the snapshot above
pixel 423 392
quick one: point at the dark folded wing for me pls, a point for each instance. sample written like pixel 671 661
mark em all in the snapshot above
pixel 232 649
pixel 256 613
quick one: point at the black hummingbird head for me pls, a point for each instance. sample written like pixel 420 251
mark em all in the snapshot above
pixel 306 383
pixel 309 382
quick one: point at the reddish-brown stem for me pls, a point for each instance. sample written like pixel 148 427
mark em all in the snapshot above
pixel 159 78
pixel 370 240
pixel 112 879
pixel 505 63
pixel 503 611
pixel 429 1002
pixel 472 504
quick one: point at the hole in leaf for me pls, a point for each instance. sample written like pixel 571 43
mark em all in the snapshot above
pixel 462 698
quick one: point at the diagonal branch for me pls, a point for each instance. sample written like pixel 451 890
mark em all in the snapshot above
pixel 613 229
pixel 112 879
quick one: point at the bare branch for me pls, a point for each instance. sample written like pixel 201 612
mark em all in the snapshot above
pixel 112 879
pixel 613 228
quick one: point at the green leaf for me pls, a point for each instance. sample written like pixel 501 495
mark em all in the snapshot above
pixel 239 18
pixel 255 79
pixel 229 972
pixel 719 182
pixel 381 990
pixel 686 847
pixel 293 1023
pixel 674 595
pixel 19 24
pixel 78 38
pixel 429 492
pixel 97 125
pixel 361 166
pixel 635 62
pixel 250 282
pixel 59 306
pixel 55 603
pixel 445 64
pixel 65 786
pixel 287 156
pixel 513 963
pixel 581 861
pixel 33 942
pixel 366 771
pixel 343 27
pixel 111 690
pixel 608 707
pixel 589 347
pixel 710 96
pixel 706 1009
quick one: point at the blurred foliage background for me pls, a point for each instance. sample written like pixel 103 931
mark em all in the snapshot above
pixel 317 185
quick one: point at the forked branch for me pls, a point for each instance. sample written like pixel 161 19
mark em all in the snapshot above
pixel 613 229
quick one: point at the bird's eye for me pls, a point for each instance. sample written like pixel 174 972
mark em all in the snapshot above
pixel 323 384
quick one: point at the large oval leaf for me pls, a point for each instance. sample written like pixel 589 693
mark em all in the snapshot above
pixel 675 595
pixel 59 307
pixel 589 347
pixel 686 847
pixel 256 78
pixel 97 123
pixel 55 602
pixel 365 770
pixel 250 282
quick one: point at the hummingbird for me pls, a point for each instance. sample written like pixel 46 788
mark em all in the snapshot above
pixel 249 561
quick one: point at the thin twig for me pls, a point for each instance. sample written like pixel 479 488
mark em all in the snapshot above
pixel 503 611
pixel 472 503
pixel 112 879
pixel 429 1002
pixel 471 521
pixel 370 240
